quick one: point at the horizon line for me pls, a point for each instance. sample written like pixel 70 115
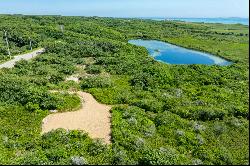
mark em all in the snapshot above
pixel 165 17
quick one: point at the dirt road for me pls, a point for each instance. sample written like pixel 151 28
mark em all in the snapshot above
pixel 11 63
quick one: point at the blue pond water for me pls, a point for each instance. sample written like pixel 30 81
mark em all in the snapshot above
pixel 172 54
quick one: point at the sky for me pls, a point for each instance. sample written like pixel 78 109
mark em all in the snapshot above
pixel 129 8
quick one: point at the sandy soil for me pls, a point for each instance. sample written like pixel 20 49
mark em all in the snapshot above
pixel 93 118
pixel 73 78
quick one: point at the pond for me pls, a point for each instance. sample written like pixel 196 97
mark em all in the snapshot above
pixel 173 54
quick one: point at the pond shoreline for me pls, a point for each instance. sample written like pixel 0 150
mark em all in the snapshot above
pixel 190 48
pixel 178 55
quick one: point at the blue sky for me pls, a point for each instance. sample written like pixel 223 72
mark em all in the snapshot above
pixel 129 8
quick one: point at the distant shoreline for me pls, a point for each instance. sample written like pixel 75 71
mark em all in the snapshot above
pixel 222 20
pixel 226 20
pixel 126 17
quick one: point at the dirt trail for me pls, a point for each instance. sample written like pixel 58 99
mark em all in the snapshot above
pixel 93 118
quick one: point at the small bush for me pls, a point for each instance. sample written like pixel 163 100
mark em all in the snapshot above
pixel 76 160
pixel 219 129
pixel 198 127
pixel 93 69
pixel 96 82
pixel 32 107
pixel 197 162
pixel 56 78
pixel 162 156
pixel 96 147
pixel 32 158
pixel 151 105
pixel 56 155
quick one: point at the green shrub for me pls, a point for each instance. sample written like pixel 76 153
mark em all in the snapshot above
pixel 97 147
pixel 32 158
pixel 94 69
pixel 95 82
pixel 32 107
pixel 162 156
pixel 76 160
pixel 151 105
pixel 67 102
pixel 56 155
pixel 56 78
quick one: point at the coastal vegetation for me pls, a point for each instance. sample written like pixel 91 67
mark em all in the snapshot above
pixel 162 113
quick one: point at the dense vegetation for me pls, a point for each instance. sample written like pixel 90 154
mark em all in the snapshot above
pixel 162 114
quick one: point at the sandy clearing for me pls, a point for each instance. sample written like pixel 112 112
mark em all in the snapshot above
pixel 94 118
pixel 11 63
pixel 73 78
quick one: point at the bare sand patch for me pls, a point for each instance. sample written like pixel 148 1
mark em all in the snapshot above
pixel 93 118
pixel 73 78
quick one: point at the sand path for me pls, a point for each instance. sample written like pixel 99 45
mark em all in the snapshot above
pixel 92 117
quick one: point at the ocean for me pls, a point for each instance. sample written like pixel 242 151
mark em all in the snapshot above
pixel 231 20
